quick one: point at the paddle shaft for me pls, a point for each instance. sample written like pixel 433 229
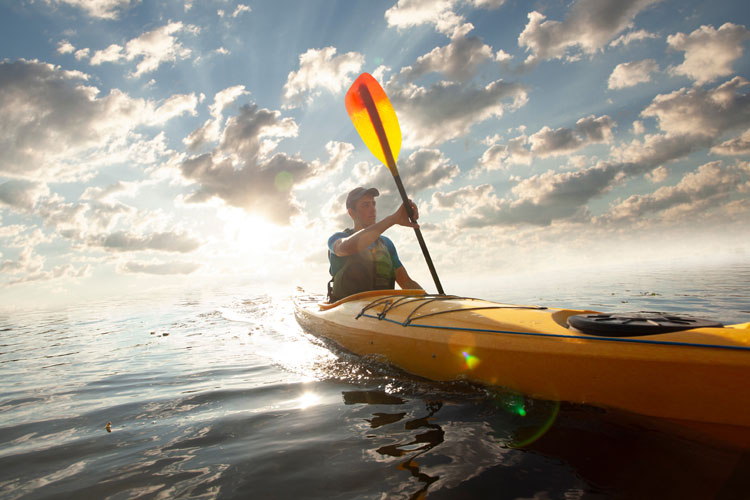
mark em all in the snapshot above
pixel 380 130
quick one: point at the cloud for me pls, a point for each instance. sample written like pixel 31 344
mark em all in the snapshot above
pixel 22 195
pixel 107 193
pixel 152 49
pixel 173 106
pixel 459 60
pixel 710 186
pixel 410 13
pixel 699 111
pixel 122 241
pixel 211 129
pixel 65 47
pixel 339 153
pixel 547 142
pixel 58 272
pixel 734 147
pixel 630 74
pixel 633 36
pixel 101 9
pixel 709 53
pixel 427 169
pixel 500 156
pixel 691 120
pixel 588 27
pixel 29 266
pixel 466 197
pixel 241 170
pixel 241 8
pixel 487 4
pixel 659 174
pixel 448 110
pixel 158 268
pixel 589 130
pixel 321 69
pixel 55 126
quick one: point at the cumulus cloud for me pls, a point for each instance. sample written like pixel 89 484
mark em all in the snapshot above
pixel 631 37
pixel 702 112
pixel 427 169
pixel 500 156
pixel 211 129
pixel 422 170
pixel 243 172
pixel 151 49
pixel 734 147
pixel 589 130
pixel 101 9
pixel 659 174
pixel 241 8
pixel 339 153
pixel 33 273
pixel 548 142
pixel 691 120
pixel 321 69
pixel 588 27
pixel 459 60
pixel 123 241
pixel 107 193
pixel 448 110
pixel 159 268
pixel 630 74
pixel 709 53
pixel 464 198
pixel 22 195
pixel 710 186
pixel 410 13
pixel 65 47
pixel 54 125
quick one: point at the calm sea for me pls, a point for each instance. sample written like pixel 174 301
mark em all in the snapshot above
pixel 219 394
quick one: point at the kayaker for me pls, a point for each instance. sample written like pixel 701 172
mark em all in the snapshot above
pixel 362 259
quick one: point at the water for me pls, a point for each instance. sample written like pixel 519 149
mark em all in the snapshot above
pixel 219 394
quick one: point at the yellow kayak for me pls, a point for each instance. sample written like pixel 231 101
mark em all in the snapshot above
pixel 666 366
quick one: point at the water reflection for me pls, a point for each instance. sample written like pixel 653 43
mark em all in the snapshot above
pixel 438 447
pixel 419 443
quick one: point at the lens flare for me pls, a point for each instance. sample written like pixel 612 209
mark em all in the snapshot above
pixel 471 360
pixel 283 181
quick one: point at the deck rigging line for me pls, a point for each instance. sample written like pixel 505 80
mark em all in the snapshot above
pixel 389 304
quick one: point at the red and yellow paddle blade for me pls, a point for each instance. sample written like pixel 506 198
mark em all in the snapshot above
pixel 374 118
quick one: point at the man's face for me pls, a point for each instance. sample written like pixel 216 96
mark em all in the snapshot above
pixel 364 212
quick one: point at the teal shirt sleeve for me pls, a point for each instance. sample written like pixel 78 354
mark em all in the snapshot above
pixel 335 262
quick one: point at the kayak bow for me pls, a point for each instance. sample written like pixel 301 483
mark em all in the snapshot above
pixel 697 371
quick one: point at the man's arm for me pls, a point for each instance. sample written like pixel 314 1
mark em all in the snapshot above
pixel 404 280
pixel 367 236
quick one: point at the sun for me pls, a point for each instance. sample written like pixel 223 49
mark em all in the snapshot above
pixel 248 231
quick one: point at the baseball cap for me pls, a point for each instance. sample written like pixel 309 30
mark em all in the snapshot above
pixel 357 193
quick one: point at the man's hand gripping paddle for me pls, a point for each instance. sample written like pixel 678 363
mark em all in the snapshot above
pixel 377 124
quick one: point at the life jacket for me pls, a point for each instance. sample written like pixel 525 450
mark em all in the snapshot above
pixel 370 269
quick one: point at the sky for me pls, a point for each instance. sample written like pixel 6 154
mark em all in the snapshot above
pixel 183 143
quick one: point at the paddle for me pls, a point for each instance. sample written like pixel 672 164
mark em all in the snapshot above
pixel 375 120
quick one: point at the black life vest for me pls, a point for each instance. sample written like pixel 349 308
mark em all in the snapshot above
pixel 370 269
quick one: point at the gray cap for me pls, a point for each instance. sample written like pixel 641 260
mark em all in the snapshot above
pixel 357 193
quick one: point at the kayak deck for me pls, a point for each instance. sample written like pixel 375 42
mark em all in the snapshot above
pixel 698 374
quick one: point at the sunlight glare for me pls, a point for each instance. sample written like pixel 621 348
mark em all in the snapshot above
pixel 307 400
pixel 249 232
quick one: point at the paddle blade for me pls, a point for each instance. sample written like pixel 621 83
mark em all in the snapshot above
pixel 374 118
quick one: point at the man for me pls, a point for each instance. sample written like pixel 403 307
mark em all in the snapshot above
pixel 362 259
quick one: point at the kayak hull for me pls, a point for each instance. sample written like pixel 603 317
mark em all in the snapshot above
pixel 697 375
